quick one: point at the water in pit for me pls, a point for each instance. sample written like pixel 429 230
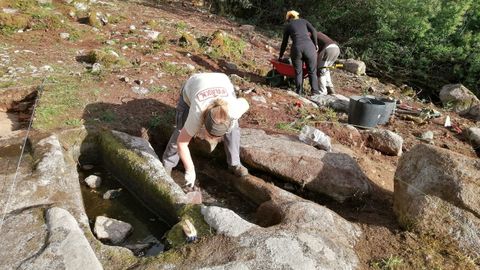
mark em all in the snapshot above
pixel 148 229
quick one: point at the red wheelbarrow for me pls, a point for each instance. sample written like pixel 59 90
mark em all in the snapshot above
pixel 281 72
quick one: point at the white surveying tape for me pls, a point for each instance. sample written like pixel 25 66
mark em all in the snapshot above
pixel 12 188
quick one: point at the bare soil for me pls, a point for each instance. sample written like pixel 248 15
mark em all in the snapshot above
pixel 382 240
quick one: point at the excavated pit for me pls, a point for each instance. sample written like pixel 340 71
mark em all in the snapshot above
pixel 16 107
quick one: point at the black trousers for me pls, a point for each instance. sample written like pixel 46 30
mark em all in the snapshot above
pixel 305 53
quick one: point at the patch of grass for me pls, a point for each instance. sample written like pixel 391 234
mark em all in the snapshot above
pixel 75 35
pixel 328 114
pixel 285 126
pixel 58 100
pixel 390 263
pixel 23 5
pixel 46 19
pixel 10 23
pixel 74 122
pixel 6 84
pixel 174 69
pixel 181 25
pixel 108 116
pixel 222 45
pixel 159 44
pixel 159 89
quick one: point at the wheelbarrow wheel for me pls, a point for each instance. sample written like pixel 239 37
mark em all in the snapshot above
pixel 274 78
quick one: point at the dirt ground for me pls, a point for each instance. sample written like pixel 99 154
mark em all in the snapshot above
pixel 108 100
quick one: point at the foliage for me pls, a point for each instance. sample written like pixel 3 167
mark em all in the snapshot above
pixel 390 263
pixel 424 43
pixel 174 69
pixel 221 45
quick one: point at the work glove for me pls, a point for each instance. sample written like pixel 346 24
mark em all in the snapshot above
pixel 190 178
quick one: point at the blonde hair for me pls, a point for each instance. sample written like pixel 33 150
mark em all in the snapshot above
pixel 292 14
pixel 218 111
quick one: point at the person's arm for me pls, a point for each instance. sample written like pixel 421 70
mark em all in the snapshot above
pixel 184 153
pixel 313 33
pixel 286 35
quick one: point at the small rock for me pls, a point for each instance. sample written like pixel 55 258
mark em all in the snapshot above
pixel 93 181
pixel 354 66
pixel 260 99
pixel 231 66
pixel 46 68
pixel 110 42
pixel 139 82
pixel 96 68
pixel 87 167
pixel 140 90
pixel 132 27
pixel 168 54
pixel 111 230
pixel 153 35
pixel 9 10
pixel 269 94
pixel 473 135
pixel 80 6
pixel 44 2
pixel 112 194
pixel 112 52
pixel 235 78
pixel 457 97
pixel 190 67
pixel 385 141
pixel 427 136
pixel 125 79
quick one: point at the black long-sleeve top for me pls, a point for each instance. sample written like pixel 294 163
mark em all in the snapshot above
pixel 301 31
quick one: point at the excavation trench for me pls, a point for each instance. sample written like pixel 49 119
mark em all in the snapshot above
pixel 16 106
pixel 148 200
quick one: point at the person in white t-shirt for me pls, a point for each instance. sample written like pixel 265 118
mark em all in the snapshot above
pixel 207 104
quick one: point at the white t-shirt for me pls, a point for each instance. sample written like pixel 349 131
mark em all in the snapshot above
pixel 200 90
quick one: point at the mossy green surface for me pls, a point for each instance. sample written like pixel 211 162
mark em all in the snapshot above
pixel 12 22
pixel 105 57
pixel 176 237
pixel 129 168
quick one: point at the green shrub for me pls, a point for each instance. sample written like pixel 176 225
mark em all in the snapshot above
pixel 423 43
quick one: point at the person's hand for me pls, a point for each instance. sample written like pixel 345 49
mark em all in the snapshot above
pixel 190 178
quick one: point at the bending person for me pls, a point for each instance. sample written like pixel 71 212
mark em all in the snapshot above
pixel 304 48
pixel 327 55
pixel 207 104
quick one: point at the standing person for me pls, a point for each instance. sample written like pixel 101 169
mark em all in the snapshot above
pixel 304 48
pixel 327 55
pixel 207 104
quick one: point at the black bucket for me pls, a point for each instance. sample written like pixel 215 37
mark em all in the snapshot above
pixel 364 111
pixel 390 106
